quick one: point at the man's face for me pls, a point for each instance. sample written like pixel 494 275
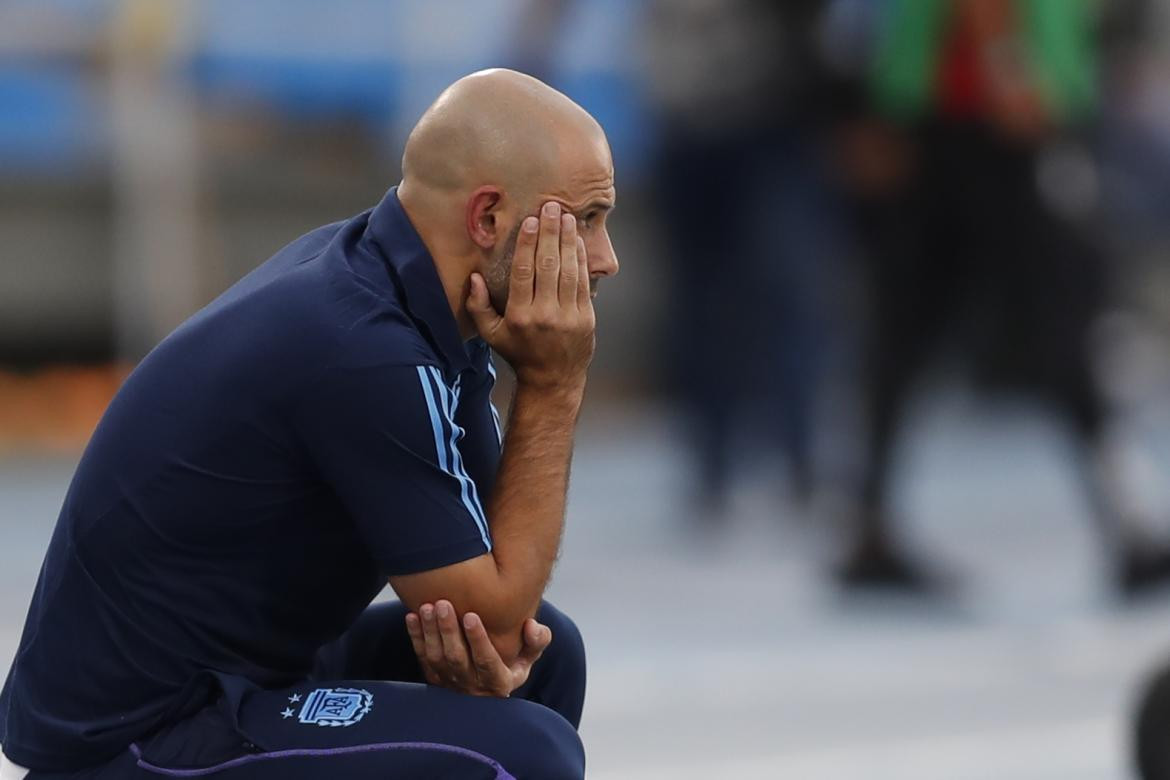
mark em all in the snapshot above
pixel 586 191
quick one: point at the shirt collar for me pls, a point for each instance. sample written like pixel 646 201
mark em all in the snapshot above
pixel 411 264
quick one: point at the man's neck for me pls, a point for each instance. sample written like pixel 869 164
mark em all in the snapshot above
pixel 456 287
pixel 450 268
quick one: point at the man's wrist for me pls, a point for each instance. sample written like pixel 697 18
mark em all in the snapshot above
pixel 566 394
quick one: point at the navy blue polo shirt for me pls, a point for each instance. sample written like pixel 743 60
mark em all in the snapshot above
pixel 318 427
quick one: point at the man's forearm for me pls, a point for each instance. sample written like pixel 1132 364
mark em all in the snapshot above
pixel 527 508
pixel 546 334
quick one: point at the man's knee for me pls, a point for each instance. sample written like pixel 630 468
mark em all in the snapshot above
pixel 558 678
pixel 545 745
pixel 567 643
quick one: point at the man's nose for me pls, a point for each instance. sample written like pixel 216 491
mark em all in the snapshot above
pixel 603 262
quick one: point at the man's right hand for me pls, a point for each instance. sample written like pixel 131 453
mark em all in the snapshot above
pixel 459 655
pixel 546 332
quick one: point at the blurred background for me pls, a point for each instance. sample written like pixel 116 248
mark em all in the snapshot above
pixel 872 479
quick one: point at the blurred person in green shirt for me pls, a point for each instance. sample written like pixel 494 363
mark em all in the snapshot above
pixel 975 188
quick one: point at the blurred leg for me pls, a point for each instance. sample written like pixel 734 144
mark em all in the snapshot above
pixel 793 234
pixel 709 272
pixel 1074 294
pixel 918 280
pixel 1151 746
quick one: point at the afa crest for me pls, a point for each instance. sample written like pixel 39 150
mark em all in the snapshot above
pixel 336 706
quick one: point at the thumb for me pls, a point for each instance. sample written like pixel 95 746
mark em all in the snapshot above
pixel 537 638
pixel 479 306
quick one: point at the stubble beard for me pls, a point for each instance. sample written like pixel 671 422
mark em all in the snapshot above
pixel 498 273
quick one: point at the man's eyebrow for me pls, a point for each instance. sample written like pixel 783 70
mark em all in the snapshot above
pixel 595 205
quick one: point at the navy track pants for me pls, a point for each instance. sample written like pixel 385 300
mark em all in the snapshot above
pixel 366 713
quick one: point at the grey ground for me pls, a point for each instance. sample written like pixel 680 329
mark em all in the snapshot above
pixel 728 654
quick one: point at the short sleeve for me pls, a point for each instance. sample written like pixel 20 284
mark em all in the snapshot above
pixel 385 440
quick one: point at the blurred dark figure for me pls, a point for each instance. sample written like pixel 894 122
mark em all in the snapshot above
pixel 739 187
pixel 1151 745
pixel 976 205
pixel 1136 143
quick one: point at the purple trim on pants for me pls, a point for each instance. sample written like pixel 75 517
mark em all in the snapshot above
pixel 501 773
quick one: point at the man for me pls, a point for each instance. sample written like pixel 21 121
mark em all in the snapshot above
pixel 736 89
pixel 971 244
pixel 322 426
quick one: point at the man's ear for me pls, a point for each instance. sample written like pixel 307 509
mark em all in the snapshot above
pixel 483 212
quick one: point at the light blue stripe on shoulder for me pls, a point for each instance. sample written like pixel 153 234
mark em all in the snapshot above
pixel 473 489
pixel 436 422
pixel 468 493
pixel 495 412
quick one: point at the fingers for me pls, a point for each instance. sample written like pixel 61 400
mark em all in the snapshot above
pixel 570 267
pixel 451 637
pixel 414 629
pixel 479 305
pixel 432 644
pixel 490 668
pixel 584 299
pixel 548 256
pixel 521 288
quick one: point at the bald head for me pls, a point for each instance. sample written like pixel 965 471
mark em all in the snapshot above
pixel 496 127
pixel 492 149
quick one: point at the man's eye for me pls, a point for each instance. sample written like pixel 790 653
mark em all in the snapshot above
pixel 589 219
